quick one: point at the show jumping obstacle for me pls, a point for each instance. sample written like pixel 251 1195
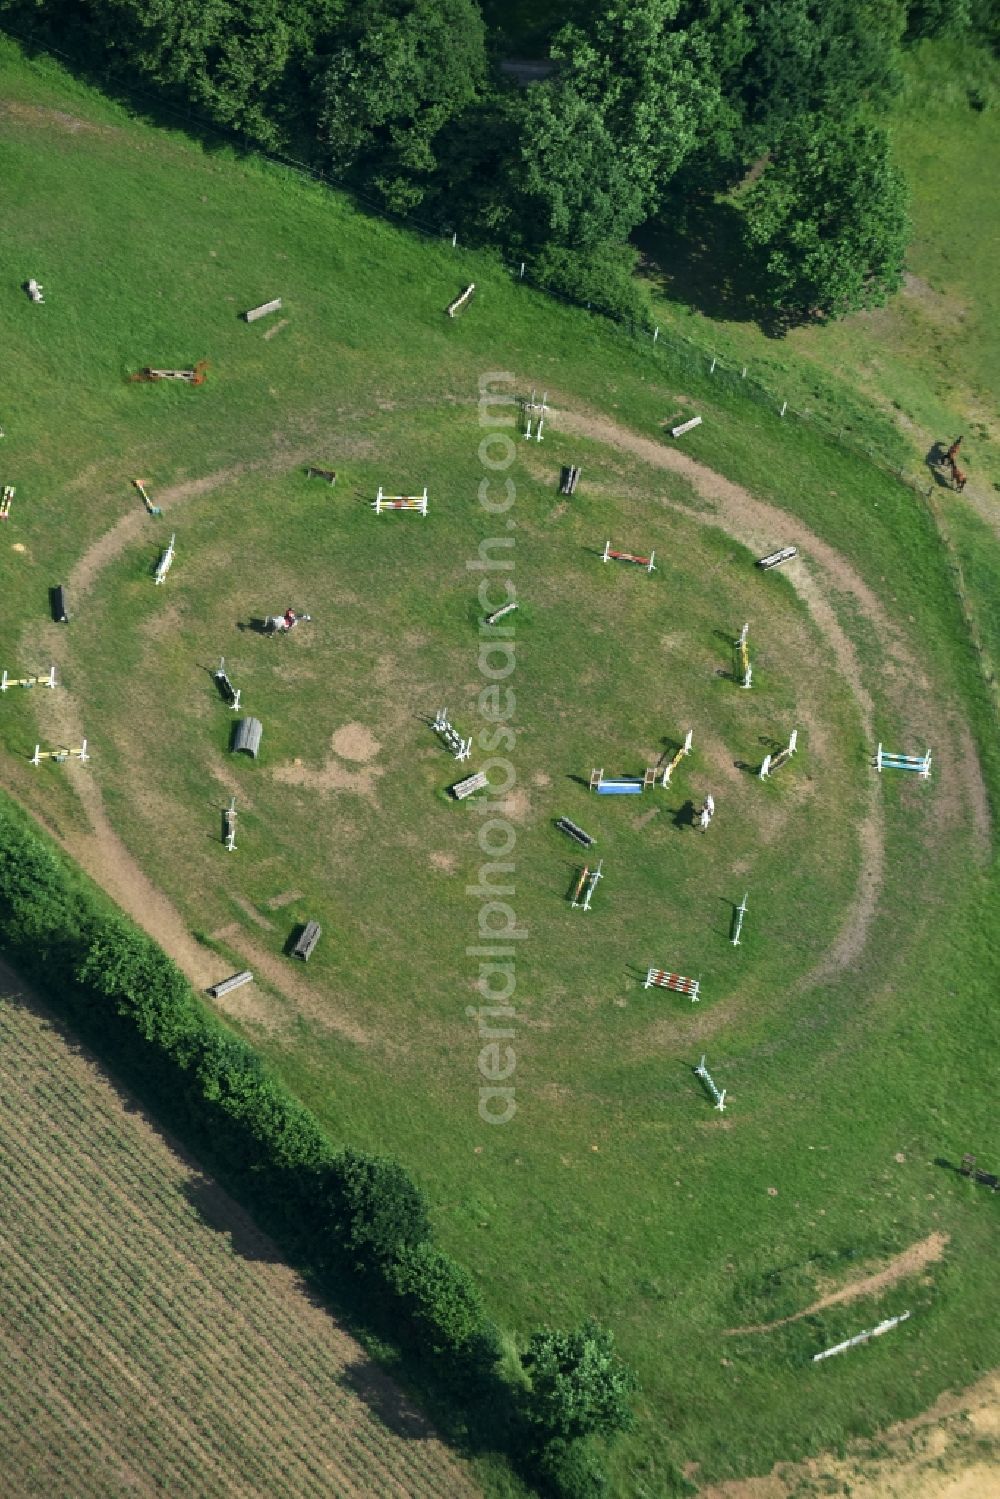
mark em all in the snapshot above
pixel 309 936
pixel 6 500
pixel 534 409
pixel 229 693
pixel 775 559
pixel 262 310
pixel 417 502
pixel 685 427
pixel 569 479
pixel 738 915
pixel 476 782
pixel 719 1098
pixel 588 878
pixel 140 485
pixel 576 833
pixel 744 671
pixel 460 748
pixel 34 291
pixel 491 619
pixel 49 680
pixel 610 556
pixel 164 564
pixel 79 752
pixel 329 475
pixel 234 982
pixel 623 785
pixel 771 763
pixel 685 749
pixel 920 763
pixel 246 737
pixel 229 826
pixel 862 1337
pixel 194 376
pixel 659 978
pixel 461 300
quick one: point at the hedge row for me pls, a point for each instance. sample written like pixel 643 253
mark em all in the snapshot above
pixel 357 1224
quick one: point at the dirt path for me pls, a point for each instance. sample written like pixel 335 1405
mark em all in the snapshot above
pixel 948 1452
pixel 910 1262
pixel 823 578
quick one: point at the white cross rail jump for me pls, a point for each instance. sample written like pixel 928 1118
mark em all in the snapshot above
pixel 48 680
pixel 719 1098
pixel 460 748
pixel 920 763
pixel 417 502
pixel 660 978
pixel 646 562
pixel 163 566
pixel 771 763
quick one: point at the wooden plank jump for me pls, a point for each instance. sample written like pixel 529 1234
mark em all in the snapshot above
pixel 262 311
pixel 235 981
pixel 310 935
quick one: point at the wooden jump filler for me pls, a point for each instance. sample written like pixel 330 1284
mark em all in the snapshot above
pixel 920 763
pixel 417 502
pixel 738 915
pixel 140 485
pixel 6 500
pixel 229 826
pixel 462 300
pixel 48 680
pixel 660 978
pixel 78 752
pixel 476 782
pixel 569 479
pixel 460 748
pixel 719 1098
pixel 775 559
pixel 646 562
pixel 165 562
pixel 195 376
pixel 771 763
pixel 262 311
pixel 744 671
pixel 687 426
pixel 588 879
pixel 685 749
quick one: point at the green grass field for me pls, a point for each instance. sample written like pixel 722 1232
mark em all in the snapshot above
pixel 615 1191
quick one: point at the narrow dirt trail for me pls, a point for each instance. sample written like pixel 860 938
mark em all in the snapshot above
pixel 822 577
pixel 910 1262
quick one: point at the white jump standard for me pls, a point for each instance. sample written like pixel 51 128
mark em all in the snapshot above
pixel 920 763
pixel 685 749
pixel 417 502
pixel 164 564
pixel 49 680
pixel 744 671
pixel 78 752
pixel 719 1098
pixel 771 763
pixel 738 915
pixel 659 978
pixel 588 878
pixel 646 562
pixel 460 748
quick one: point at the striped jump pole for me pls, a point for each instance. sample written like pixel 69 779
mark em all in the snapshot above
pixel 659 978
pixel 611 556
pixel 920 763
pixel 165 562
pixel 78 752
pixel 586 885
pixel 719 1098
pixel 685 749
pixel 48 680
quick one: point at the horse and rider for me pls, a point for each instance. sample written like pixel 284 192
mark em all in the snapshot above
pixel 959 477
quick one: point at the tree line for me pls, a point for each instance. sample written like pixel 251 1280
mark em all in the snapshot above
pixel 356 1223
pixel 651 107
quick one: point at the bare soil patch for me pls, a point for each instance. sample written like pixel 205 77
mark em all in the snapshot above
pixel 355 742
pixel 284 899
pixel 910 1262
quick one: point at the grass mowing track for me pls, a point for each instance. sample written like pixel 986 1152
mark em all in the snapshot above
pixel 664 1226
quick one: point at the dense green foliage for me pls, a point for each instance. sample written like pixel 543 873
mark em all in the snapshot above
pixel 339 1211
pixel 648 102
